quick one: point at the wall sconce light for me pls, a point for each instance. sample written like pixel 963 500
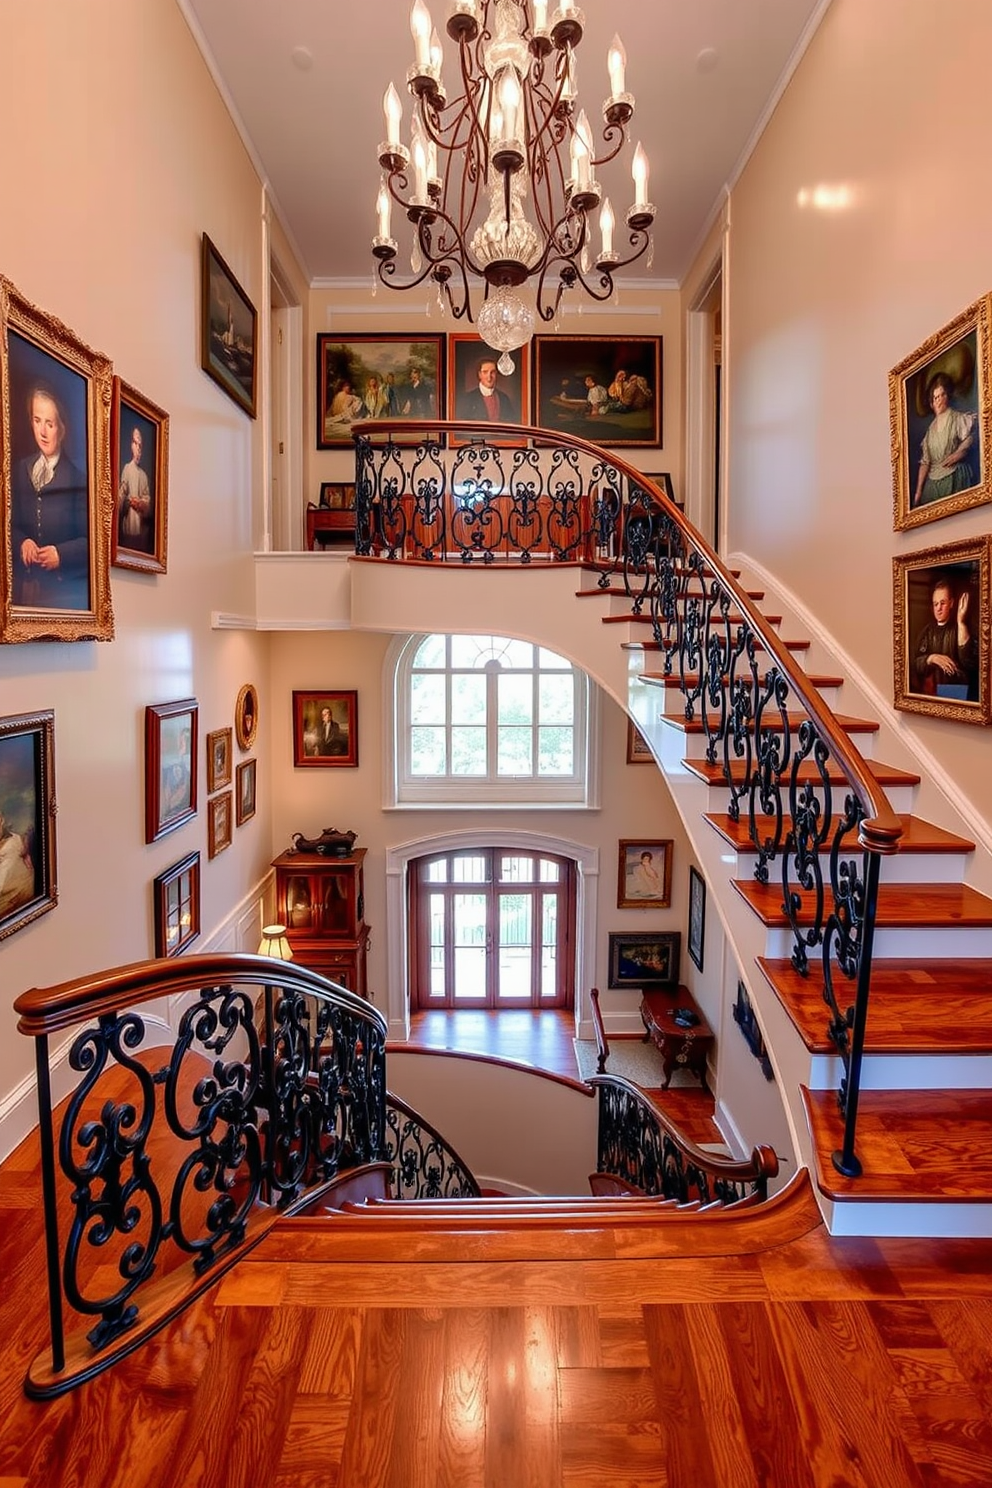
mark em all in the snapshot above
pixel 275 942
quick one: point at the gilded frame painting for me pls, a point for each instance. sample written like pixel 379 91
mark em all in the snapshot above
pixel 940 413
pixel 170 766
pixel 220 823
pixel 385 376
pixel 245 788
pixel 644 873
pixel 941 631
pixel 325 729
pixel 139 444
pixel 607 389
pixel 648 960
pixel 28 879
pixel 57 498
pixel 228 330
pixel 219 753
pixel 467 354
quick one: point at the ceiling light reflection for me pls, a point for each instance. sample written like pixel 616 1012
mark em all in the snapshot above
pixel 824 198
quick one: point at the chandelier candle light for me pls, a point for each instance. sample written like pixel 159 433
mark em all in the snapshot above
pixel 511 141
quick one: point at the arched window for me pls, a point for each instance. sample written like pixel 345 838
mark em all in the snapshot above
pixel 486 720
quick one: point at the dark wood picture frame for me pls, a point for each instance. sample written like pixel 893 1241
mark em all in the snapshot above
pixel 220 751
pixel 44 366
pixel 638 749
pixel 228 330
pixel 177 906
pixel 956 685
pixel 664 480
pixel 697 917
pixel 466 351
pixel 644 959
pixel 244 792
pixel 220 823
pixel 170 766
pixel 246 716
pixel 29 885
pixel 330 742
pixel 141 490
pixel 941 452
pixel 640 884
pixel 631 412
pixel 346 367
pixel 337 495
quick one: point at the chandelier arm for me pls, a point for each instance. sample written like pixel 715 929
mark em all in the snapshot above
pixel 459 255
pixel 609 130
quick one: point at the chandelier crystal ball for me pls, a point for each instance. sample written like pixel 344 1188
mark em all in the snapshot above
pixel 499 184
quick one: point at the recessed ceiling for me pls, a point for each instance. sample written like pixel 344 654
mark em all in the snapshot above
pixel 305 79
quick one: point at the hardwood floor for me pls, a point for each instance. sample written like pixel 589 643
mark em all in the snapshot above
pixel 815 1363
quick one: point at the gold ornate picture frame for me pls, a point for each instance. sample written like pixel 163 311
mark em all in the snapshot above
pixel 139 447
pixel 940 417
pixel 57 500
pixel 941 631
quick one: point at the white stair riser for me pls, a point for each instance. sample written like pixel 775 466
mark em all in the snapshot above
pixel 907 1071
pixel 912 944
pixel 923 1221
pixel 901 868
pixel 694 745
pixel 671 703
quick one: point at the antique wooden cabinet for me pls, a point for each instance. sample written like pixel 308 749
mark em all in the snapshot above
pixel 321 901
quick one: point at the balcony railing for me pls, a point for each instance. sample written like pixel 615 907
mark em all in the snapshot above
pixel 815 814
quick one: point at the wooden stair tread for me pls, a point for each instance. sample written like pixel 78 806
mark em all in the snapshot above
pixel 914 1146
pixel 918 836
pixel 668 645
pixel 615 590
pixel 732 619
pixel 916 1007
pixel 904 905
pixel 713 773
pixel 846 721
pixel 669 680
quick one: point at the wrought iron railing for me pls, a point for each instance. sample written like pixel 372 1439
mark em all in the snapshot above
pixel 646 1152
pixel 815 814
pixel 425 1166
pixel 166 1163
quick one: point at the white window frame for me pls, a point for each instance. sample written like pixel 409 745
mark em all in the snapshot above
pixel 402 791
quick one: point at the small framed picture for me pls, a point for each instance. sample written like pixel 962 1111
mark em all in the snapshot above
pixel 139 449
pixel 940 415
pixel 697 917
pixel 56 497
pixel 325 728
pixel 644 877
pixel 246 716
pixel 218 759
pixel 220 822
pixel 638 750
pixel 170 766
pixel 603 388
pixel 245 793
pixel 228 330
pixel 337 495
pixel 390 375
pixel 28 883
pixel 177 906
pixel 662 479
pixel 644 961
pixel 941 621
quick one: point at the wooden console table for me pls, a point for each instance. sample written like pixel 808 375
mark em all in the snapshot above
pixel 681 1047
pixel 329 528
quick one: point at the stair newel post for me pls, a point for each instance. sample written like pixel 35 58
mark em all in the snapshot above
pixel 845 1161
pixel 52 1255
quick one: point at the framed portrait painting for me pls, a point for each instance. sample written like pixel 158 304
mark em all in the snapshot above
pixel 603 388
pixel 28 886
pixel 177 906
pixel 228 330
pixel 940 415
pixel 477 390
pixel 386 376
pixel 170 766
pixel 325 728
pixel 139 447
pixel 245 792
pixel 57 502
pixel 644 874
pixel 645 961
pixel 941 622
pixel 218 759
pixel 246 716
pixel 220 823
pixel 697 917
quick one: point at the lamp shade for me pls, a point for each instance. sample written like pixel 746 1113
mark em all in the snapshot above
pixel 275 942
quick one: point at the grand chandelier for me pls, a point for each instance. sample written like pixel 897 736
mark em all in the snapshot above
pixel 518 190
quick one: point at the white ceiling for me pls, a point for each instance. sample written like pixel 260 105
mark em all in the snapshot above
pixel 705 74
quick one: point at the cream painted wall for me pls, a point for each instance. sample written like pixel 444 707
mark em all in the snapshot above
pixel 635 802
pixel 890 103
pixel 113 167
